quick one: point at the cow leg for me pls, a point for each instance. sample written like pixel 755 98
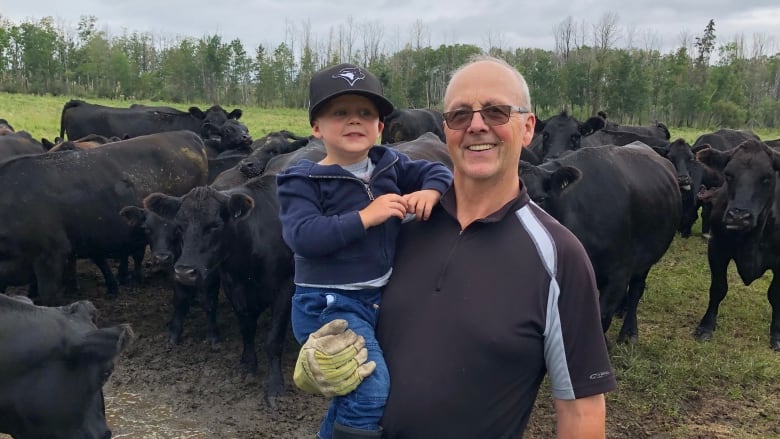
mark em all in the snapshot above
pixel 182 296
pixel 629 332
pixel 122 271
pixel 689 214
pixel 773 295
pixel 274 343
pixel 719 260
pixel 138 265
pixel 48 274
pixel 70 281
pixel 706 211
pixel 210 303
pixel 247 320
pixel 612 293
pixel 112 287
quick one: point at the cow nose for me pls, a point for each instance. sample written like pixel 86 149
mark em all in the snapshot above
pixel 186 275
pixel 736 217
pixel 163 258
pixel 249 167
pixel 106 435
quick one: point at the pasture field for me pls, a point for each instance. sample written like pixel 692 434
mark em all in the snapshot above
pixel 670 386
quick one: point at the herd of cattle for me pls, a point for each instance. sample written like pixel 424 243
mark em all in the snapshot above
pixel 200 193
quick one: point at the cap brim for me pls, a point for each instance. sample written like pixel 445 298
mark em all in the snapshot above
pixel 383 106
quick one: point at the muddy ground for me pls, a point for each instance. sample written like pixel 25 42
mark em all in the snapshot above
pixel 195 391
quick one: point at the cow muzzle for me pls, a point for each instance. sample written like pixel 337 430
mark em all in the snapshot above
pixel 186 275
pixel 684 182
pixel 738 219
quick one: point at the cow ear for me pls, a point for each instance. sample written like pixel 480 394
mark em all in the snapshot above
pixel 539 127
pixel 591 125
pixel 700 147
pixel 563 178
pixel 663 151
pixel 239 206
pixel 775 157
pixel 197 112
pixel 102 344
pixel 713 158
pixel 134 215
pixel 162 205
pixel 235 114
pixel 47 144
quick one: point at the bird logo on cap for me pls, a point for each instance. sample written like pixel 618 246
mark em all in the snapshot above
pixel 350 74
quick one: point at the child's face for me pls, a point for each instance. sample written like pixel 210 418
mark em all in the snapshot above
pixel 348 126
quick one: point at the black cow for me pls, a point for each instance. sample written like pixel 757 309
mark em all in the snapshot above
pixel 237 232
pixel 657 130
pixel 80 118
pixel 641 200
pixel 269 146
pixel 164 240
pixel 55 205
pixel 723 139
pixel 693 177
pixel 406 125
pixel 86 142
pixel 562 133
pixel 774 143
pixel 745 227
pixel 53 365
pixel 230 138
pixel 19 143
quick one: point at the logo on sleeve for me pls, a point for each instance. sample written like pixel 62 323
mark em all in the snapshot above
pixel 599 375
pixel 350 74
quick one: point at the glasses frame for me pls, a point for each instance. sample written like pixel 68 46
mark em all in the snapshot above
pixel 511 109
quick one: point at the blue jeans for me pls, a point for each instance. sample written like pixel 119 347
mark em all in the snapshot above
pixel 313 307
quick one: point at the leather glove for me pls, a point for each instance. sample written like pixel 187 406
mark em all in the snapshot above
pixel 332 362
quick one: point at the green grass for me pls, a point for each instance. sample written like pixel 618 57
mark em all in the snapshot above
pixel 670 386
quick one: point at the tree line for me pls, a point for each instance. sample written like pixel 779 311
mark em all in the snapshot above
pixel 700 84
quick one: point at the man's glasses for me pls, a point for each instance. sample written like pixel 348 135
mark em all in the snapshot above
pixel 492 115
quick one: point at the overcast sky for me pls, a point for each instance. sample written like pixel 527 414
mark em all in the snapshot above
pixel 506 23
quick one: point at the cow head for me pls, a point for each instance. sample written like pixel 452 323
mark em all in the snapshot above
pixel 232 134
pixel 682 157
pixel 204 217
pixel 213 117
pixel 269 146
pixel 547 183
pixel 161 235
pixel 53 370
pixel 564 133
pixel 750 179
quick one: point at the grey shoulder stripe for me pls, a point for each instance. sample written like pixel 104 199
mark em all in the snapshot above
pixel 554 350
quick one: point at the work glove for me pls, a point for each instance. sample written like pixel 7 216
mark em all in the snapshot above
pixel 332 362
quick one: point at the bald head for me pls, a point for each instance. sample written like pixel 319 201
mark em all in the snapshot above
pixel 483 68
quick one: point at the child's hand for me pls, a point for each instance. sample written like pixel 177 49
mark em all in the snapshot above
pixel 421 203
pixel 383 208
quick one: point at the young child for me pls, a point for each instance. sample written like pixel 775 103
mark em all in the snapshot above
pixel 341 217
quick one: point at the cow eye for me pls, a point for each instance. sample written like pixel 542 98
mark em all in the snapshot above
pixel 766 181
pixel 729 177
pixel 106 374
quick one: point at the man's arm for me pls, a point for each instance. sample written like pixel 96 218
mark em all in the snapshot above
pixel 582 418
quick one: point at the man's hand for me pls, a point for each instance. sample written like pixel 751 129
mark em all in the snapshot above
pixel 332 362
pixel 421 203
